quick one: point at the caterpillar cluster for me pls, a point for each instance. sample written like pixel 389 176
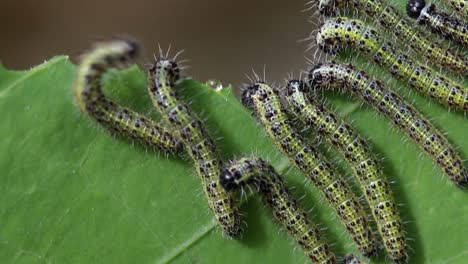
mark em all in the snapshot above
pixel 337 32
pixel 182 131
pixel 266 105
pixel 358 154
pixel 396 24
pixel 402 114
pixel 440 22
pixel 186 131
pixel 276 195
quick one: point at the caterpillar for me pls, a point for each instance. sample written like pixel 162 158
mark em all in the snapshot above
pixel 403 115
pixel 115 118
pixel 358 154
pixel 163 75
pixel 266 105
pixel 440 22
pixel 340 31
pixel 275 194
pixel 389 18
pixel 460 6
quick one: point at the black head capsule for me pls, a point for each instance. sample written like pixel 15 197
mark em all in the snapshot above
pixel 414 8
pixel 294 86
pixel 228 181
pixel 314 78
pixel 247 95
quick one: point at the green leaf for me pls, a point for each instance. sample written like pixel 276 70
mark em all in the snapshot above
pixel 71 193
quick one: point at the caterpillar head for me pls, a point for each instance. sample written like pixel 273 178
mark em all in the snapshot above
pixel 169 68
pixel 414 8
pixel 330 7
pixel 228 180
pixel 247 94
pixel 294 86
pixel 315 76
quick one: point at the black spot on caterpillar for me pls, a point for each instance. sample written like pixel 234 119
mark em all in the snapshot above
pixel 403 115
pixel 440 22
pixel 201 148
pixel 460 6
pixel 341 31
pixel 267 107
pixel 358 154
pixel 286 210
pixel 390 19
pixel 115 118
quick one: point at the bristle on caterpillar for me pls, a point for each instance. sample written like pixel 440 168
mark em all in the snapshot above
pixel 265 103
pixel 440 22
pixel 275 194
pixel 163 76
pixel 337 32
pixel 115 118
pixel 358 154
pixel 387 17
pixel 402 114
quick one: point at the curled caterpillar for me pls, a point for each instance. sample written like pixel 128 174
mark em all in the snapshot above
pixel 115 118
pixel 440 22
pixel 358 154
pixel 340 31
pixel 389 18
pixel 403 115
pixel 460 6
pixel 266 105
pixel 276 195
pixel 201 148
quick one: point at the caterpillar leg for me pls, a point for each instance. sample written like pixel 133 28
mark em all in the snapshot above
pixel 276 195
pixel 115 118
pixel 266 105
pixel 201 148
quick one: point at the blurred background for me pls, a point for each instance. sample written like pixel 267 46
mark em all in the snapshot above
pixel 222 40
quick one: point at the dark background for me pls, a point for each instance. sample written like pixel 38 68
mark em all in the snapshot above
pixel 223 40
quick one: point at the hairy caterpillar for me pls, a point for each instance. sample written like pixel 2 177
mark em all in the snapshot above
pixel 403 115
pixel 340 31
pixel 440 22
pixel 265 103
pixel 276 195
pixel 358 154
pixel 201 148
pixel 460 6
pixel 390 19
pixel 115 118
